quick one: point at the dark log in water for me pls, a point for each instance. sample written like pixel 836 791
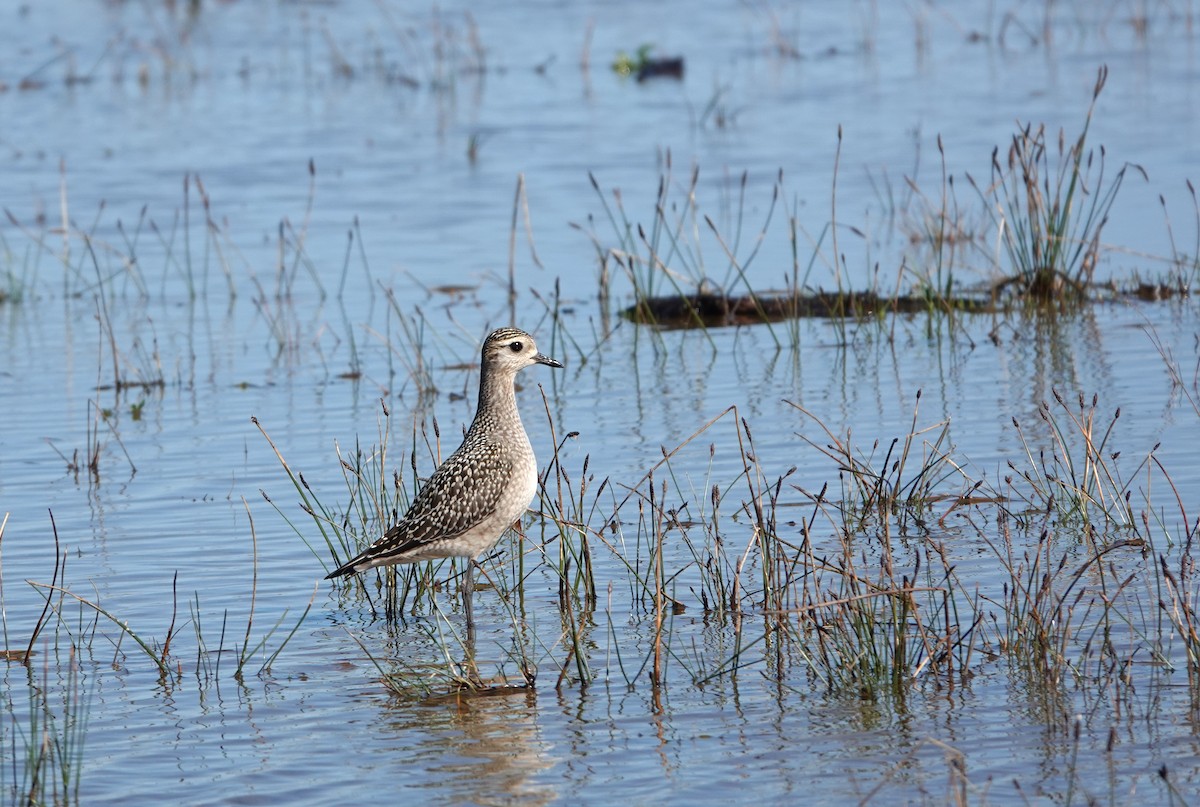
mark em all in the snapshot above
pixel 709 310
pixel 670 67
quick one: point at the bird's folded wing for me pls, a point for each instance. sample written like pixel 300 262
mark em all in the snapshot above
pixel 462 492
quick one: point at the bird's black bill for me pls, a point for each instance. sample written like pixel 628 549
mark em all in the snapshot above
pixel 542 358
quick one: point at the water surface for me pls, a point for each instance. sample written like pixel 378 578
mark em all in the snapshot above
pixel 276 302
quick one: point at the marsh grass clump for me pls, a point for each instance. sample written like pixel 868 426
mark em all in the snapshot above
pixel 668 261
pixel 855 615
pixel 566 538
pixel 47 746
pixel 879 622
pixel 48 764
pixel 1050 208
pixel 1077 475
pixel 1081 555
pixel 439 660
pixel 163 651
pixel 375 497
pixel 902 485
pixel 882 606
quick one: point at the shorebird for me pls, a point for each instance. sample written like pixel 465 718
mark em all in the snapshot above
pixel 482 488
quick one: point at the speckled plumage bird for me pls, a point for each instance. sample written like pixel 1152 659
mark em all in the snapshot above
pixel 483 487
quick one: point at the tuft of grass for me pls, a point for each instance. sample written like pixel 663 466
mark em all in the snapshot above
pixel 1051 210
pixel 48 770
pixel 1077 476
pixel 899 486
pixel 668 255
pixel 375 498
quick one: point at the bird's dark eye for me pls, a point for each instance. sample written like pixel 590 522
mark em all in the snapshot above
pixel 516 347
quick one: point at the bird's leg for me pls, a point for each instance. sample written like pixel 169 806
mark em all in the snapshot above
pixel 468 591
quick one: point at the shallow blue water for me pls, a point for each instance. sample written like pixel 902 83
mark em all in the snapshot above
pixel 253 309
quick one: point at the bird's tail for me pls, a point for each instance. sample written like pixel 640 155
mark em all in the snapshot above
pixel 343 571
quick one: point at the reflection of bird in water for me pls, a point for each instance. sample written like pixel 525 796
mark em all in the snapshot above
pixel 476 749
pixel 483 487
